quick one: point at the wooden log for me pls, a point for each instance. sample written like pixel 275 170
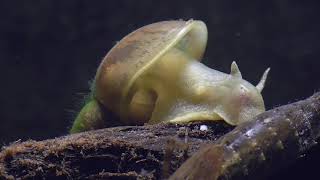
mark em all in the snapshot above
pixel 128 152
pixel 256 149
pixel 144 152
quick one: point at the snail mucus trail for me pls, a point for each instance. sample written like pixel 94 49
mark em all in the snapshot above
pixel 154 75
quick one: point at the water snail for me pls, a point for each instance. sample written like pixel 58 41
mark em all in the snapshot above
pixel 154 75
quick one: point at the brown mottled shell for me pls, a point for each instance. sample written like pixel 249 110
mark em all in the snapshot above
pixel 136 52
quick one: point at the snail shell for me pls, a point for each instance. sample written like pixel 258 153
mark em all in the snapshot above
pixel 154 75
pixel 137 52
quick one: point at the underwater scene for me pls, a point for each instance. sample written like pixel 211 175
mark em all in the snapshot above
pixel 159 89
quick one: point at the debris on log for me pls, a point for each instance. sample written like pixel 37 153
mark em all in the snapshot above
pixel 157 151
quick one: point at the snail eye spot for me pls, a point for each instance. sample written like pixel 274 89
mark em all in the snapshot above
pixel 243 89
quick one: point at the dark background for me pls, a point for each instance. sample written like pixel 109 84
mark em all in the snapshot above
pixel 49 50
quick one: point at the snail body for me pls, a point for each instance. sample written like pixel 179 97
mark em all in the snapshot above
pixel 154 75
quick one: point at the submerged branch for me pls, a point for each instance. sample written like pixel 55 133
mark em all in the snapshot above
pixel 156 151
pixel 256 149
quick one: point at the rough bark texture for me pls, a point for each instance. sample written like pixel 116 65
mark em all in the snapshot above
pixel 154 152
pixel 145 152
pixel 255 149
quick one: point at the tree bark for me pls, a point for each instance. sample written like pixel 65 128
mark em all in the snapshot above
pixel 131 152
pixel 156 151
pixel 257 148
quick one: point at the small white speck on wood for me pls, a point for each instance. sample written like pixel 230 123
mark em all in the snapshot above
pixel 203 128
